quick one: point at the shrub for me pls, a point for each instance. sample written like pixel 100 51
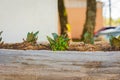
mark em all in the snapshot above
pixel 58 43
pixel 0 35
pixel 115 42
pixel 32 37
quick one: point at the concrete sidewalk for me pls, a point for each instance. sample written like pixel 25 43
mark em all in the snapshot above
pixel 49 65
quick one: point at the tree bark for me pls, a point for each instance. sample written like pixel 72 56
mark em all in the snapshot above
pixel 88 31
pixel 62 17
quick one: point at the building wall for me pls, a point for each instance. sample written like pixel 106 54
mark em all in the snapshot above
pixel 17 17
pixel 76 10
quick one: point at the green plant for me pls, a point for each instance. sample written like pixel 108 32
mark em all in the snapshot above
pixel 32 37
pixel 115 41
pixel 88 39
pixel 58 43
pixel 0 35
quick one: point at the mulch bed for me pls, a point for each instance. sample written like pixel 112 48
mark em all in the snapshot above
pixel 74 46
pixel 24 46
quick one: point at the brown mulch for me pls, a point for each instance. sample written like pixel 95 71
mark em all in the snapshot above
pixel 24 46
pixel 98 46
pixel 74 46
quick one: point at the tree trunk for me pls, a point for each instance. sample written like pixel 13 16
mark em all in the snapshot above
pixel 88 31
pixel 62 17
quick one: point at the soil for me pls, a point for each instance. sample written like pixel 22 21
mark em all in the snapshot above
pixel 73 46
pixel 24 46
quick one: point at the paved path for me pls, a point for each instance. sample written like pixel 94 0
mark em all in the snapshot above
pixel 49 65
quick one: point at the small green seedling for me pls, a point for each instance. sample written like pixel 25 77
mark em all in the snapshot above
pixel 58 43
pixel 32 37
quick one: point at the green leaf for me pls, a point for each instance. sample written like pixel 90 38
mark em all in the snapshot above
pixel 115 42
pixel 119 37
pixel 32 37
pixel 51 41
pixel 55 36
pixel 111 39
pixel 88 38
pixel 36 33
pixel 0 39
pixel 1 32
pixel 0 35
pixel 28 34
pixel 59 43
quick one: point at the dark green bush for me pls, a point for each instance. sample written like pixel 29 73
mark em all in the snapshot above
pixel 58 43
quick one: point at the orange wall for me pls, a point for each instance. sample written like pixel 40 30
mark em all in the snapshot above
pixel 76 18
